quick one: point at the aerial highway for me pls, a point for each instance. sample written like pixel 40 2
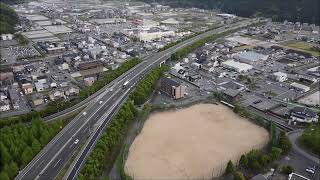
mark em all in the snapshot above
pixel 97 114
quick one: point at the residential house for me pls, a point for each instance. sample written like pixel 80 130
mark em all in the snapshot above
pixel 27 88
pixel 4 105
pixel 37 99
pixel 39 86
pixel 3 96
pixel 56 94
pixel 71 91
pixel 89 81
pixel 303 114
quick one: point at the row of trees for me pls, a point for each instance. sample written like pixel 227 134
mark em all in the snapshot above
pixel 147 85
pixel 20 143
pixel 8 19
pixel 57 106
pixel 311 138
pixel 257 160
pixel 109 143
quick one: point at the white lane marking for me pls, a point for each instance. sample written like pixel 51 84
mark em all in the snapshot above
pixel 97 128
pixel 71 146
pixel 63 132
pixel 84 124
pixel 57 163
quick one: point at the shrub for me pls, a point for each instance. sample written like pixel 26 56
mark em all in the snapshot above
pixel 238 176
pixel 287 169
pixel 230 168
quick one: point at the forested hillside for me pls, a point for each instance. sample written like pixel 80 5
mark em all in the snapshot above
pixel 8 19
pixel 279 10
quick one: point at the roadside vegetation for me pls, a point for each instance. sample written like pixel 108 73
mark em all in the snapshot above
pixel 310 138
pixel 57 106
pixel 108 145
pixel 20 143
pixel 8 19
pixel 257 161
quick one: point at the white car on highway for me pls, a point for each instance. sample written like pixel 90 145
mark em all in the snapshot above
pixel 84 113
pixel 100 102
pixel 76 141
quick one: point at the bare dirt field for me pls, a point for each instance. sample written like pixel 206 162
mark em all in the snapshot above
pixel 191 143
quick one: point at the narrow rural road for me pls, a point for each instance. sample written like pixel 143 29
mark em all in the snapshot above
pixel 294 136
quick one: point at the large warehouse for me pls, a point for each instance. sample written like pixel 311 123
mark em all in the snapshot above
pixel 237 66
pixel 250 57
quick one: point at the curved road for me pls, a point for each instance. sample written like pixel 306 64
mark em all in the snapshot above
pixel 293 136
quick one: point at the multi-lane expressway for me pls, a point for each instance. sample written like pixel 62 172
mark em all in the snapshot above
pixel 97 114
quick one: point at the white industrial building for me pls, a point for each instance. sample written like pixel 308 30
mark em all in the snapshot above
pixel 250 57
pixel 6 36
pixel 148 36
pixel 237 66
pixel 300 87
pixel 280 76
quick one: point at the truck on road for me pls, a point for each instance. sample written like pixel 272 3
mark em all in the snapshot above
pixel 125 84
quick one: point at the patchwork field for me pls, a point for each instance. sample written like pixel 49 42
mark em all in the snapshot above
pixel 191 143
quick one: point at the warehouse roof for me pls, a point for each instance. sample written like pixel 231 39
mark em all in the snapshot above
pixel 251 55
pixel 237 65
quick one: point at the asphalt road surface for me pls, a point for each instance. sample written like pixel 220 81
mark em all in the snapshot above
pixel 48 163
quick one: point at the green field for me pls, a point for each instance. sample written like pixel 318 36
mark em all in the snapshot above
pixel 304 46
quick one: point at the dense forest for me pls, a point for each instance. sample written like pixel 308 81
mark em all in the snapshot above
pixel 8 19
pixel 20 143
pixel 278 10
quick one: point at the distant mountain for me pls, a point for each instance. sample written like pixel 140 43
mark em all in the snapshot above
pixel 278 10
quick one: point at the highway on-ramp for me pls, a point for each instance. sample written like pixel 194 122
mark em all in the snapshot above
pixel 99 110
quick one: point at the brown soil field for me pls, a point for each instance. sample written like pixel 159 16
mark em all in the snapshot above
pixel 192 143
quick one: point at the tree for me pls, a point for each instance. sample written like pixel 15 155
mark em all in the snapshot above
pixel 26 156
pixel 243 161
pixel 238 176
pixel 273 138
pixel 230 168
pixel 284 143
pixel 275 153
pixel 255 165
pixel 36 146
pixel 5 156
pixel 264 160
pixel 4 176
pixel 11 169
pixel 287 169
